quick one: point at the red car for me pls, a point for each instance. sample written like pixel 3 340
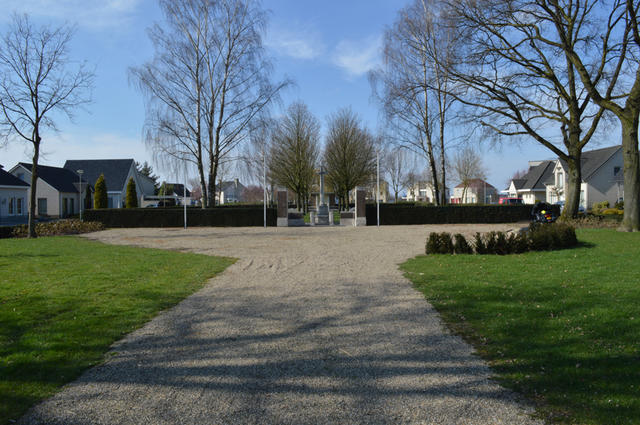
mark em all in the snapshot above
pixel 510 201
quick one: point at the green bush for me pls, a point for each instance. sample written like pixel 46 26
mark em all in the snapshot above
pixel 58 228
pixel 612 211
pixel 619 205
pixel 439 243
pixel 433 243
pixel 490 243
pixel 598 207
pixel 461 245
pixel 546 237
pixel 446 243
pixel 174 217
pixel 131 197
pixel 100 199
pixel 479 245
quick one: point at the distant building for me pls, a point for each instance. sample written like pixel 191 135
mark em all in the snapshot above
pixel 14 195
pixel 477 191
pixel 229 192
pixel 423 191
pixel 117 173
pixel 532 186
pixel 59 191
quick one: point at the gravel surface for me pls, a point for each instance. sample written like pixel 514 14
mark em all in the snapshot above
pixel 310 326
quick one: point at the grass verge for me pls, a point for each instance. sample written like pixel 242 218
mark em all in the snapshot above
pixel 562 327
pixel 65 300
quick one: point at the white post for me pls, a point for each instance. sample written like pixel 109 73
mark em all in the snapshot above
pixel 184 193
pixel 378 186
pixel 264 186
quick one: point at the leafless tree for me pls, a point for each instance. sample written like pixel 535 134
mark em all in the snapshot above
pixel 521 83
pixel 238 86
pixel 36 85
pixel 207 82
pixel 610 74
pixel 467 166
pixel 295 147
pixel 418 52
pixel 349 155
pixel 397 165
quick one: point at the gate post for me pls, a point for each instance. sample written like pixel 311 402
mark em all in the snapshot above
pixel 361 207
pixel 283 208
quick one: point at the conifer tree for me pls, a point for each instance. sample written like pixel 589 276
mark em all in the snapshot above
pixel 131 200
pixel 100 196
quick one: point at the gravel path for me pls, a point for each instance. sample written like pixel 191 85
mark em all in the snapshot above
pixel 310 326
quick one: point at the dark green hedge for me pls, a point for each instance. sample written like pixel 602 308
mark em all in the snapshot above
pixel 174 217
pixel 6 231
pixel 399 214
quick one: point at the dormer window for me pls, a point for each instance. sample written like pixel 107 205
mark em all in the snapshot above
pixel 560 180
pixel 616 171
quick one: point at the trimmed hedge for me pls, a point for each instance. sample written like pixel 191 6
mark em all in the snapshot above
pixel 400 214
pixel 174 217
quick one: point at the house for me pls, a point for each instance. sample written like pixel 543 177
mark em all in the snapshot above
pixel 476 191
pixel 532 186
pixel 117 173
pixel 229 192
pixel 14 196
pixel 602 177
pixel 168 191
pixel 59 191
pixel 423 191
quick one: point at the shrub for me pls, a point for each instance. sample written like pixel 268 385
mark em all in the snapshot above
pixel 433 243
pixel 461 245
pixel 60 227
pixel 519 242
pixel 490 243
pixel 619 205
pixel 545 237
pixel 598 207
pixel 479 245
pixel 100 196
pixel 446 243
pixel 131 200
pixel 611 211
pixel 439 243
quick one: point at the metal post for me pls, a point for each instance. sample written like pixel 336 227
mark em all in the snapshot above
pixel 184 195
pixel 378 186
pixel 264 186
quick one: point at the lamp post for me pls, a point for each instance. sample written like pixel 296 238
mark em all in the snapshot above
pixel 264 187
pixel 80 172
pixel 378 186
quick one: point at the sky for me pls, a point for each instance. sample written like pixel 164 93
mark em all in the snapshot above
pixel 325 47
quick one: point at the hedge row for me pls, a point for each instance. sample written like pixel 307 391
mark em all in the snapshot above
pixel 173 217
pixel 400 214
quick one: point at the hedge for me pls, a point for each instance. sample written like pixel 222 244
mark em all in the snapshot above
pixel 174 217
pixel 399 214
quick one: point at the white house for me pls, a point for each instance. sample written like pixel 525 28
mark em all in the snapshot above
pixel 117 173
pixel 422 191
pixel 229 192
pixel 602 177
pixel 14 195
pixel 532 187
pixel 59 192
pixel 477 191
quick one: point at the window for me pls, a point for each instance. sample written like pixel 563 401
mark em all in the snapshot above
pixel 19 202
pixel 560 180
pixel 110 202
pixel 11 205
pixel 71 206
pixel 42 206
pixel 21 176
pixel 64 207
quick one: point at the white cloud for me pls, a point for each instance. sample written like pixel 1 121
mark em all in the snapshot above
pixel 298 44
pixel 357 57
pixel 91 14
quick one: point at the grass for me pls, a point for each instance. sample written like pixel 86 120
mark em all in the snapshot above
pixel 562 328
pixel 65 300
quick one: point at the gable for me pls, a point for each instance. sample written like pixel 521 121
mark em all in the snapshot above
pixel 116 171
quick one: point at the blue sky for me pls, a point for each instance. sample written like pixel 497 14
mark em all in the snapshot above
pixel 325 47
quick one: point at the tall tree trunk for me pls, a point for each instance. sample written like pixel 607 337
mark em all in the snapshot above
pixel 213 175
pixel 203 186
pixel 572 189
pixel 631 220
pixel 34 180
pixel 443 194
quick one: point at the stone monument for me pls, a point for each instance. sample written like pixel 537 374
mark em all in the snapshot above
pixel 323 209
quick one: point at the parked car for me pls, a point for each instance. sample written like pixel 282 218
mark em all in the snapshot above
pixel 510 201
pixel 167 203
pixel 561 203
pixel 152 206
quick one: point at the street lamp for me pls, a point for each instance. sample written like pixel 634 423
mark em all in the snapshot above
pixel 80 173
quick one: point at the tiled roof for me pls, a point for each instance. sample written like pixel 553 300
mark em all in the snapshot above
pixel 591 161
pixel 8 179
pixel 538 175
pixel 476 184
pixel 115 171
pixel 60 179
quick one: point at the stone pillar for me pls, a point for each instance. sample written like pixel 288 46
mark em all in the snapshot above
pixel 330 218
pixel 361 208
pixel 283 208
pixel 312 218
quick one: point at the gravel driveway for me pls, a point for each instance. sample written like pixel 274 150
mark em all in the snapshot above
pixel 310 326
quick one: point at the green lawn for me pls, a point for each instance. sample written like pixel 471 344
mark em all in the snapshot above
pixel 562 328
pixel 65 300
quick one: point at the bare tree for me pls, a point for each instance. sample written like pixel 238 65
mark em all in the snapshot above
pixel 238 87
pixel 294 152
pixel 397 166
pixel 619 92
pixel 173 84
pixel 521 83
pixel 36 84
pixel 349 154
pixel 418 52
pixel 467 166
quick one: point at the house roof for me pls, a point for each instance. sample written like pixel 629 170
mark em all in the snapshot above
pixel 178 189
pixel 230 185
pixel 591 161
pixel 538 175
pixel 115 171
pixel 60 179
pixel 8 179
pixel 519 183
pixel 476 184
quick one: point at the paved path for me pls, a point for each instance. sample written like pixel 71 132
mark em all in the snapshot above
pixel 310 326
